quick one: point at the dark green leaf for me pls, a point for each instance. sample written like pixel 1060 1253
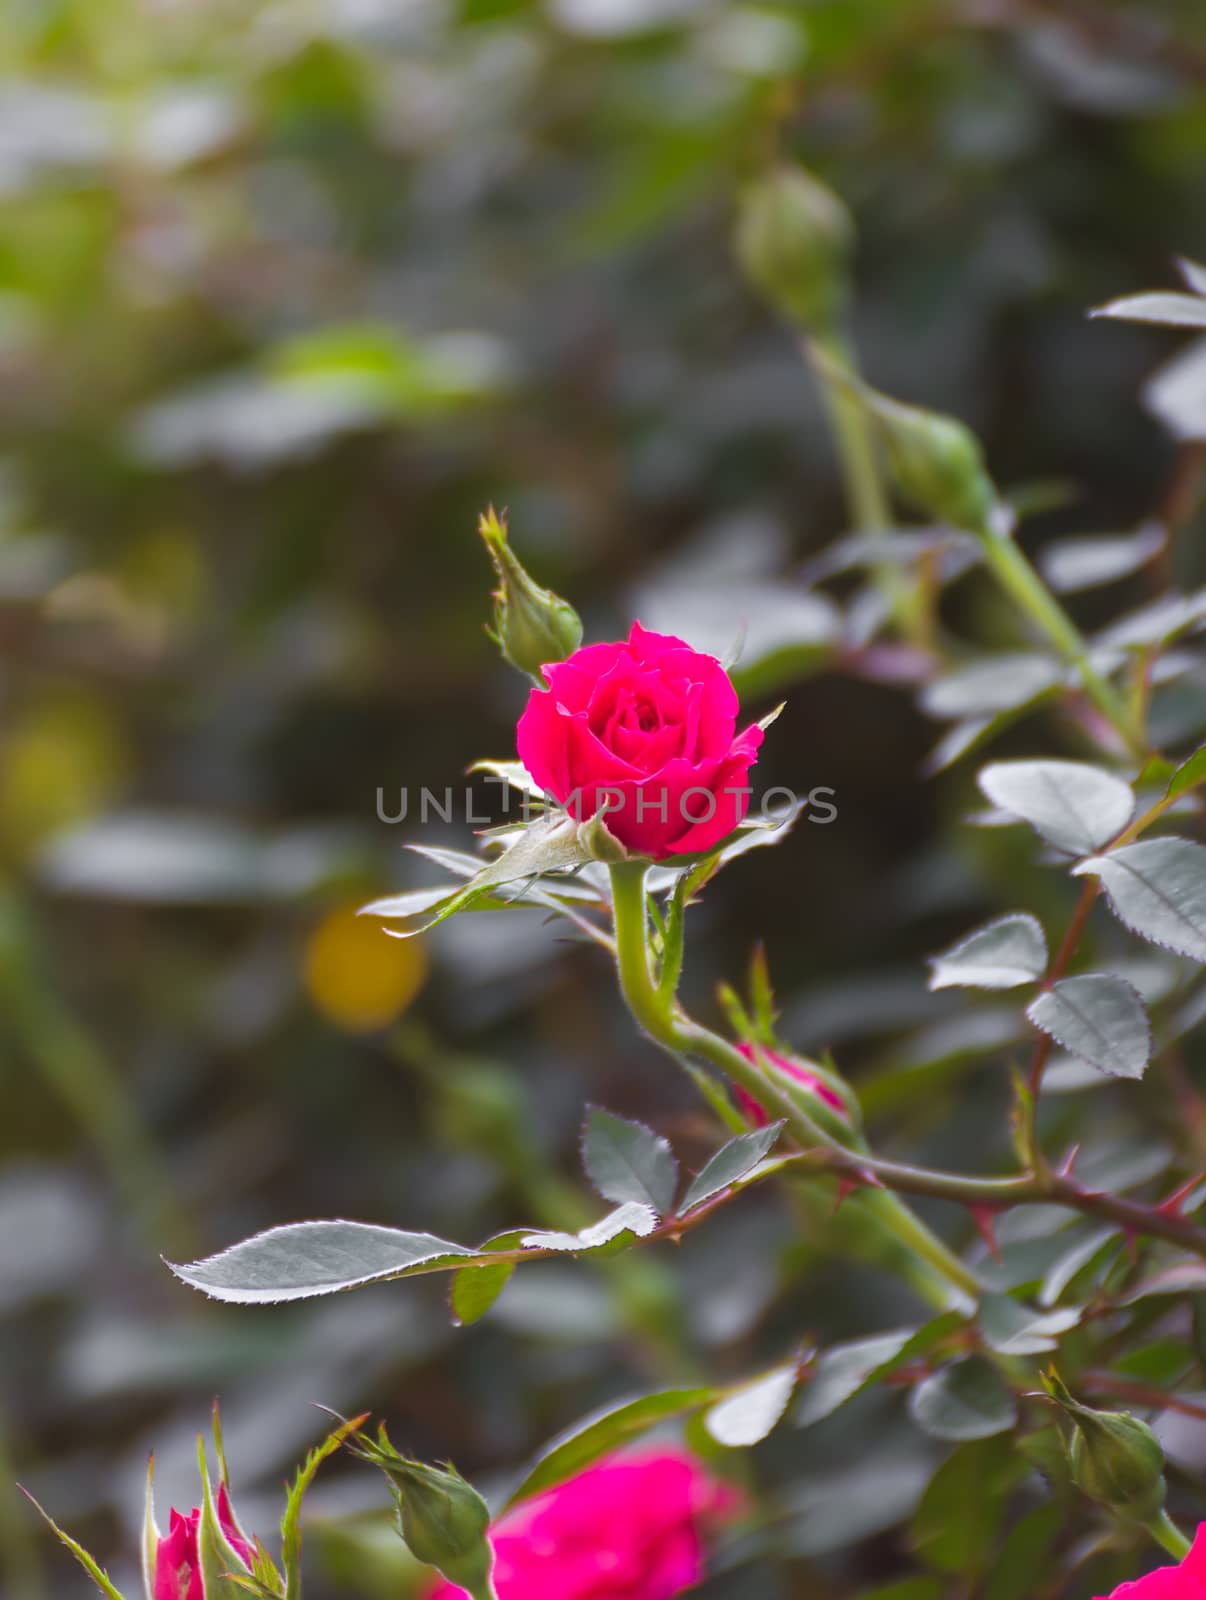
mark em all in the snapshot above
pixel 730 1163
pixel 312 1258
pixel 1023 1565
pixel 987 688
pixel 1188 775
pixel 1187 1277
pixel 607 1430
pixel 842 1370
pixel 965 1400
pixel 1070 565
pixel 628 1161
pixel 1073 1261
pixel 1074 806
pixel 1000 955
pixel 1014 1329
pixel 956 1524
pixel 1158 889
pixel 1099 1018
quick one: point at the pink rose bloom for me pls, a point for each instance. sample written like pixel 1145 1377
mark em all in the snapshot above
pixel 177 1572
pixel 627 1528
pixel 792 1069
pixel 1186 1582
pixel 645 731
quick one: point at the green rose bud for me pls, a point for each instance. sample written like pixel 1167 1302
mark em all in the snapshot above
pixel 441 1517
pixel 532 625
pixel 794 239
pixel 936 461
pixel 1115 1459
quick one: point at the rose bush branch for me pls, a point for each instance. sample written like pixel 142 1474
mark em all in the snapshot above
pixel 668 1025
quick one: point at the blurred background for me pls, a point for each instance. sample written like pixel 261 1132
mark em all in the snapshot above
pixel 289 290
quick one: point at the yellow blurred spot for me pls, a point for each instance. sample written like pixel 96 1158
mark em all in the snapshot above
pixel 61 762
pixel 356 975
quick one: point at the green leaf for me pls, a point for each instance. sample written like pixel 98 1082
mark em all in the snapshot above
pixel 628 1161
pixel 1099 1018
pixel 291 1537
pixel 1070 565
pixel 604 1432
pixel 1000 955
pixel 1013 1329
pixel 1187 1277
pixel 748 1415
pixel 956 1524
pixel 1065 1268
pixel 475 1289
pixel 730 1164
pixel 1072 805
pixel 1157 888
pixel 98 1575
pixel 842 1370
pixel 630 1221
pixel 543 846
pixel 1188 775
pixel 965 1400
pixel 988 688
pixel 304 1259
pixel 1166 307
pixel 1023 1564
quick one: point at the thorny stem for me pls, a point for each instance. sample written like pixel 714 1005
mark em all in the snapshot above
pixel 669 1026
pixel 678 1034
pixel 866 500
pixel 1055 972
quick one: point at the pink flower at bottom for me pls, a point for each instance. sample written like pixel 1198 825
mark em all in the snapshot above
pixel 628 1528
pixel 792 1069
pixel 177 1569
pixel 1186 1582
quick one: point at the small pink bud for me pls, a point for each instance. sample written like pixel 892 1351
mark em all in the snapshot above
pixel 177 1574
pixel 791 1068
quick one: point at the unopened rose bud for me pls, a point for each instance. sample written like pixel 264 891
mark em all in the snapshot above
pixel 1115 1459
pixel 817 1091
pixel 532 626
pixel 193 1559
pixel 441 1517
pixel 935 460
pixel 794 239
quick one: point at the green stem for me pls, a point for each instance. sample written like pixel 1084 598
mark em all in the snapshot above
pixel 856 452
pixel 866 500
pixel 678 1034
pixel 1023 584
pixel 1166 1534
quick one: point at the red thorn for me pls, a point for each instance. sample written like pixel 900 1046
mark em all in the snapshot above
pixel 1172 1206
pixel 848 1182
pixel 983 1217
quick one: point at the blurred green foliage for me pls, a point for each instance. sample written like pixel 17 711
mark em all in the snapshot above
pixel 289 290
